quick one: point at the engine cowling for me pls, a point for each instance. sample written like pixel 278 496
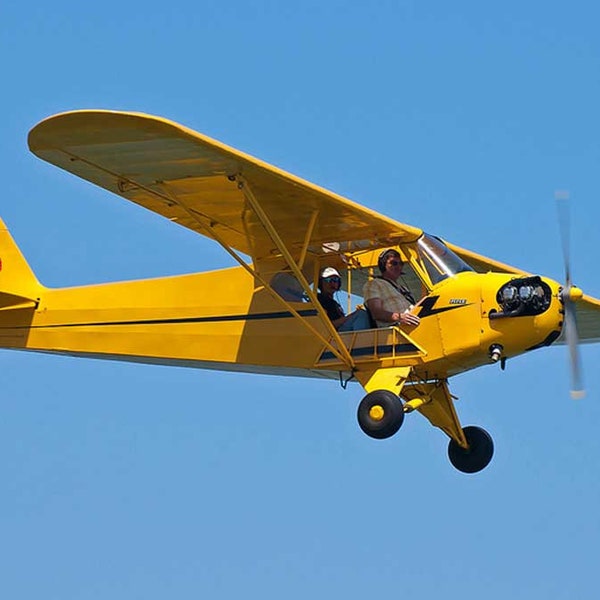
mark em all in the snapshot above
pixel 523 297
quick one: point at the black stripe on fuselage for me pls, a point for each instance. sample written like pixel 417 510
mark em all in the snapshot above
pixel 214 319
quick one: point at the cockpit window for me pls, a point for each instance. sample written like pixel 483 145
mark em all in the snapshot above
pixel 288 287
pixel 439 260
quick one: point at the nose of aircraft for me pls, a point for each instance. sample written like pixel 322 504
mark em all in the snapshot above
pixel 525 296
pixel 572 294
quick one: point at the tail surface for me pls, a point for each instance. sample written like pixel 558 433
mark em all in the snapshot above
pixel 18 285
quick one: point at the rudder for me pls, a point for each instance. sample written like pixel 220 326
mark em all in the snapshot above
pixel 18 284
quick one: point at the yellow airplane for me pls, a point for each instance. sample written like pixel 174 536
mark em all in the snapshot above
pixel 263 316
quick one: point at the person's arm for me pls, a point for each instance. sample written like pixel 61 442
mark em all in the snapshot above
pixel 375 306
pixel 337 323
pixel 334 311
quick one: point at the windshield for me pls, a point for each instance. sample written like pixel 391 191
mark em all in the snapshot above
pixel 438 259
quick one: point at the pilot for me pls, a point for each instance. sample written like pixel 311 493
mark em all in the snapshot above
pixel 329 283
pixel 388 302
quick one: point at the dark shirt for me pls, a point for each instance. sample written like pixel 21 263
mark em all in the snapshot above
pixel 332 308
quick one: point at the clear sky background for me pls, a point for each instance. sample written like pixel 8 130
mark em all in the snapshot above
pixel 129 481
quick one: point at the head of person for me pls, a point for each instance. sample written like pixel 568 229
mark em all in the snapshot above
pixel 330 280
pixel 390 263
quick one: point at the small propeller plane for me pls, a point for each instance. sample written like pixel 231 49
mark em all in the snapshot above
pixel 263 316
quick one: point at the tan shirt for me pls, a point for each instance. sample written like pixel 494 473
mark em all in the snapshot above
pixel 391 298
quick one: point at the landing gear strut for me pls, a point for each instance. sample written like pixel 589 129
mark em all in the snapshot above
pixel 477 456
pixel 380 414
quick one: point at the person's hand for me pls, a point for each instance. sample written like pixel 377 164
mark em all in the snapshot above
pixel 407 318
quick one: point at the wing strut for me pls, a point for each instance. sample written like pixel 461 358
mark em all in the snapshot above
pixel 307 237
pixel 296 269
pixel 342 353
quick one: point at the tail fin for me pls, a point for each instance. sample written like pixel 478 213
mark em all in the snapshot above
pixel 18 285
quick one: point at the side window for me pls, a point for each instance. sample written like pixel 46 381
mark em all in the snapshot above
pixel 288 287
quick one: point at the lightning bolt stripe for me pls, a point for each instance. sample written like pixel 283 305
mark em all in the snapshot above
pixel 427 307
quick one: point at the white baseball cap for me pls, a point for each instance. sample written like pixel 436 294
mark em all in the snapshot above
pixel 329 272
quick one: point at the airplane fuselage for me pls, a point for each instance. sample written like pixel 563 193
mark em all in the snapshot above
pixel 224 320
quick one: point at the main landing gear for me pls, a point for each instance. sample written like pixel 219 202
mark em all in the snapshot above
pixel 381 414
pixel 477 456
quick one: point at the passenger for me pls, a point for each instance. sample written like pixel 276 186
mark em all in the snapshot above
pixel 387 301
pixel 329 283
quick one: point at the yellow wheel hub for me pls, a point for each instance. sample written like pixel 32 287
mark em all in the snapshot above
pixel 376 412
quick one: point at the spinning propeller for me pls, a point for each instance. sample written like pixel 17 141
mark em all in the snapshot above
pixel 569 295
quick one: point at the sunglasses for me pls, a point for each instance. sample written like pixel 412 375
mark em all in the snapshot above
pixel 394 263
pixel 333 279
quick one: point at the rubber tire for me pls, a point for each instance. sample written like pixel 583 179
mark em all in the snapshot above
pixel 479 454
pixel 393 414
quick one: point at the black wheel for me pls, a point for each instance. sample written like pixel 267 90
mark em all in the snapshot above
pixel 477 456
pixel 380 414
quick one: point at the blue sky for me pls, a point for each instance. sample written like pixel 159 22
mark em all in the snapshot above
pixel 128 481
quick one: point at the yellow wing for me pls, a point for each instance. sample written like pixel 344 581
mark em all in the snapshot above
pixel 588 320
pixel 194 181
pixel 483 264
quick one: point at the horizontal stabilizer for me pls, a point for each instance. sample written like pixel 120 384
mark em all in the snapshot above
pixel 15 301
